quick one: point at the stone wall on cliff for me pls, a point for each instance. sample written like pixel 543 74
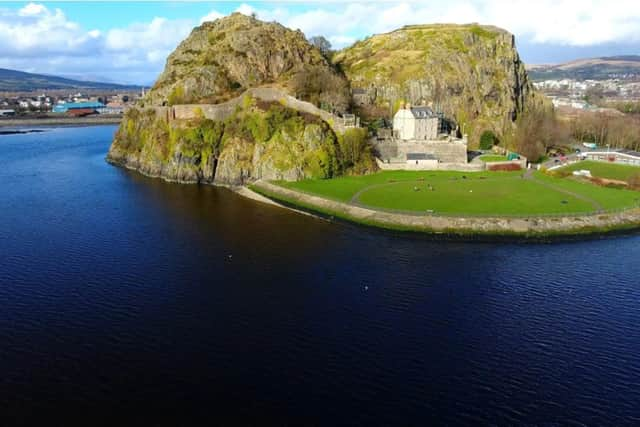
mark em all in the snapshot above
pixel 221 59
pixel 258 140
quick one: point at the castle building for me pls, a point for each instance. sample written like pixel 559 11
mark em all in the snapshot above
pixel 416 123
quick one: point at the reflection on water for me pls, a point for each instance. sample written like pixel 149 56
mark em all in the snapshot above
pixel 122 294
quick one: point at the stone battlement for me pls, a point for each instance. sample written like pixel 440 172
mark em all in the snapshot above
pixel 224 110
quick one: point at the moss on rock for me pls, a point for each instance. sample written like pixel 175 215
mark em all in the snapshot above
pixel 266 141
pixel 472 73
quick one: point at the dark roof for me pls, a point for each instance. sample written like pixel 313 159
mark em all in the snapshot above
pixel 420 156
pixel 631 153
pixel 422 112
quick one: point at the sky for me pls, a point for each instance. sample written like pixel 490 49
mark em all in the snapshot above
pixel 128 42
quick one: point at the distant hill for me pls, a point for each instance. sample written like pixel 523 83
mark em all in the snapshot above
pixel 19 81
pixel 627 66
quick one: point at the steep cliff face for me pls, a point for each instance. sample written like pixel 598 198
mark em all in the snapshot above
pixel 221 59
pixel 258 141
pixel 472 73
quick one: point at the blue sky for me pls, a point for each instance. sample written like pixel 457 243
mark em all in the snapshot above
pixel 129 41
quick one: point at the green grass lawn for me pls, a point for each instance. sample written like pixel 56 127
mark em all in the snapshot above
pixel 604 170
pixel 344 188
pixel 479 193
pixel 609 198
pixel 474 196
pixel 493 158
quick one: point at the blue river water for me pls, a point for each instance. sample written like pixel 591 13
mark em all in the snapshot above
pixel 130 300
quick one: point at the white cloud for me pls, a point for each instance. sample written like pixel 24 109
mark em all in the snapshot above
pixel 32 9
pixel 245 9
pixel 37 37
pixel 568 22
pixel 211 16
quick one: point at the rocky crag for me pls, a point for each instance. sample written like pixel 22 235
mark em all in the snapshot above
pixel 219 60
pixel 203 120
pixel 472 73
pixel 249 138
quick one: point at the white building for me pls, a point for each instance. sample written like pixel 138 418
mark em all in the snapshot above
pixel 627 157
pixel 416 123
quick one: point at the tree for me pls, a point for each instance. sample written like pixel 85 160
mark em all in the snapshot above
pixel 538 130
pixel 634 181
pixel 488 140
pixel 321 85
pixel 323 45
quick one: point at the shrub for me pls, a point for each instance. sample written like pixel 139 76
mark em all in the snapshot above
pixel 176 96
pixel 352 144
pixel 506 167
pixel 634 181
pixel 488 140
pixel 562 173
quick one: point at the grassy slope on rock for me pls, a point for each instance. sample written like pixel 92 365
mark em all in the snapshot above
pixel 221 59
pixel 472 72
pixel 259 138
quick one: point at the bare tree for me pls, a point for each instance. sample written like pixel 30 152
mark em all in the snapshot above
pixel 323 87
pixel 538 130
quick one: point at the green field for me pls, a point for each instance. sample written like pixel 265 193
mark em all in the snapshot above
pixel 604 170
pixel 478 193
pixel 493 158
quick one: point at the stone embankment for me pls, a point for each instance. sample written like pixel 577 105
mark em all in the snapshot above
pixel 61 121
pixel 526 227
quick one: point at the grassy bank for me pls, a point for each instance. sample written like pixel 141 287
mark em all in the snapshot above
pixel 476 193
pixel 298 202
pixel 604 170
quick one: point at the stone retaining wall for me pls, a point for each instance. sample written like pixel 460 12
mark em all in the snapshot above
pixel 444 151
pixel 224 110
pixel 488 226
pixel 461 167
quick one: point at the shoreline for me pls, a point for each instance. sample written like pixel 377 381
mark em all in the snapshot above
pixel 241 190
pixel 533 228
pixel 60 121
pixel 517 228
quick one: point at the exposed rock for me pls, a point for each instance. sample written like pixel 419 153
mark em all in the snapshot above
pixel 259 141
pixel 472 73
pixel 221 59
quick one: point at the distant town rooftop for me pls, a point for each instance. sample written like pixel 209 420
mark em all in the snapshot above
pixel 63 108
